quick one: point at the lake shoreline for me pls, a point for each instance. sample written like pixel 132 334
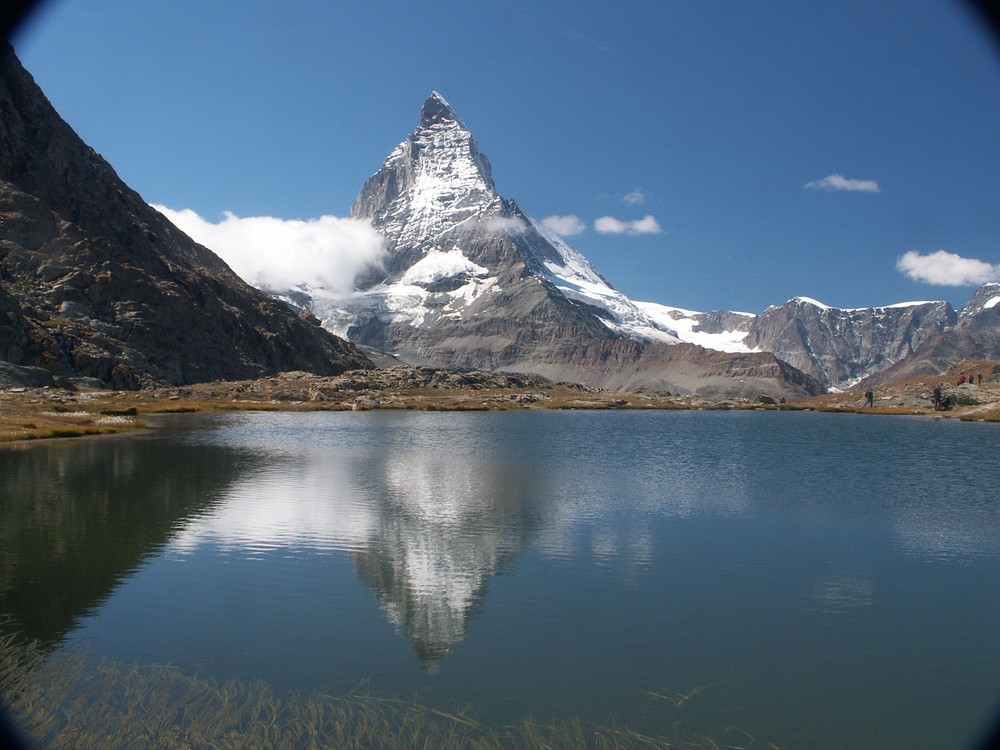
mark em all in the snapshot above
pixel 31 413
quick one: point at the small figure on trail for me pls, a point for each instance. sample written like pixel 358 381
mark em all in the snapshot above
pixel 980 377
pixel 938 406
pixel 869 398
pixel 961 379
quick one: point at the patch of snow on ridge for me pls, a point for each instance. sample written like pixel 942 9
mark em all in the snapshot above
pixel 684 322
pixel 874 308
pixel 810 301
pixel 467 294
pixel 646 321
pixel 906 304
pixel 623 315
pixel 406 300
pixel 575 267
pixel 896 306
pixel 578 280
pixel 441 264
pixel 991 303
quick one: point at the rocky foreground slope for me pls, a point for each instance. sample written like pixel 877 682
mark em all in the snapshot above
pixel 94 283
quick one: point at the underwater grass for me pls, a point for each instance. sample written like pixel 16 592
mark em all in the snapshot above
pixel 64 698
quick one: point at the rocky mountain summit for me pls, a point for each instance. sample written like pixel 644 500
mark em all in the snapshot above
pixel 94 283
pixel 860 348
pixel 471 281
pixel 839 346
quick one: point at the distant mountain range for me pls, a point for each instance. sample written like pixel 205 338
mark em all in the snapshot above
pixel 472 281
pixel 95 284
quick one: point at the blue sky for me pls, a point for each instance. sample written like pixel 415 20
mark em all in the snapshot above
pixel 782 148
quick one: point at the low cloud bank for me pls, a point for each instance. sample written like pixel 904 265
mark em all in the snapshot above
pixel 280 254
pixel 839 182
pixel 947 269
pixel 611 225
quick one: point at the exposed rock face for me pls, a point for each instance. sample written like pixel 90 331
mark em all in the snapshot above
pixel 937 352
pixel 471 281
pixel 841 346
pixel 629 365
pixel 982 311
pixel 976 336
pixel 722 321
pixel 93 282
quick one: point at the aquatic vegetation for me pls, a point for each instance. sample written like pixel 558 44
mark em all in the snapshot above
pixel 66 699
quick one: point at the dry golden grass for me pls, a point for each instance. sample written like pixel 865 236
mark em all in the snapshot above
pixel 50 413
pixel 28 414
pixel 26 423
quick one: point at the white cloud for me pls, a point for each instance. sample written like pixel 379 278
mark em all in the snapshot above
pixel 564 226
pixel 635 198
pixel 611 225
pixel 839 182
pixel 280 254
pixel 504 225
pixel 947 269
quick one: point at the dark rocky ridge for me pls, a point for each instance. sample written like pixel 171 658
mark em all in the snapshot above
pixel 94 282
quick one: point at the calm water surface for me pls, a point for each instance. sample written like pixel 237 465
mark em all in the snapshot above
pixel 823 581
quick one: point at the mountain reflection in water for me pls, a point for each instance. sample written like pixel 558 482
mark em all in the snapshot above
pixel 77 518
pixel 809 566
pixel 426 529
pixel 444 526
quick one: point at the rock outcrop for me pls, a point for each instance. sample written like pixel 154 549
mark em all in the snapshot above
pixel 95 283
pixel 975 336
pixel 839 346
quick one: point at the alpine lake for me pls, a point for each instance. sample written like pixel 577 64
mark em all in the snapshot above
pixel 812 581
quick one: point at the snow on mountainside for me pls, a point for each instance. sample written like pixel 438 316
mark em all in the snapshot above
pixel 469 280
pixel 987 297
pixel 434 198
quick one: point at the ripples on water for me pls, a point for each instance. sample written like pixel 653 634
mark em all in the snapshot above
pixel 833 577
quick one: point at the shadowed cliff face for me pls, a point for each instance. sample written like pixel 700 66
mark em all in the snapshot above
pixel 96 283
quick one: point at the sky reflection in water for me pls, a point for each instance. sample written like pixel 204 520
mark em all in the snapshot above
pixel 815 567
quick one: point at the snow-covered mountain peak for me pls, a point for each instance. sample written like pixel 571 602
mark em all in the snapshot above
pixel 436 180
pixel 456 248
pixel 471 280
pixel 437 111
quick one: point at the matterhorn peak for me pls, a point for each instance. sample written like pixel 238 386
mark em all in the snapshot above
pixel 437 178
pixel 437 111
